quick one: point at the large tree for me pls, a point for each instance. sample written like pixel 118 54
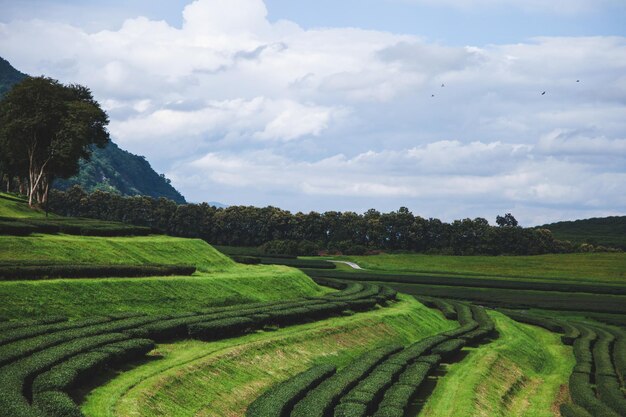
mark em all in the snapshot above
pixel 45 129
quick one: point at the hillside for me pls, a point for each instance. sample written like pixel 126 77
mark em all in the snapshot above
pixel 605 231
pixel 111 169
pixel 116 170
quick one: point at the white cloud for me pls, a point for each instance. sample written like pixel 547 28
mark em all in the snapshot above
pixel 230 101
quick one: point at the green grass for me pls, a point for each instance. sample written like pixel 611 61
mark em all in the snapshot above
pixel 153 295
pixel 192 378
pixel 522 373
pixel 155 249
pixel 12 206
pixel 581 267
pixel 219 281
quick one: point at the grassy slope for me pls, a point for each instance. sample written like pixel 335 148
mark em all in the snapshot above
pixel 155 295
pixel 11 206
pixel 222 378
pixel 522 373
pixel 113 250
pixel 218 281
pixel 591 267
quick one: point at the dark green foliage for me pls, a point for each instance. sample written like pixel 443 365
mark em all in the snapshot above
pixel 70 226
pixel 471 282
pixel 117 171
pixel 571 333
pixel 609 391
pixel 35 328
pixel 619 355
pixel 414 375
pixel 14 376
pixel 299 263
pixel 582 394
pixel 16 324
pixel 16 228
pixel 350 410
pixel 602 355
pixel 606 231
pixel 573 410
pixel 321 400
pixel 306 233
pixel 247 260
pixel 9 76
pixel 18 272
pixel 54 403
pixel 448 348
pixel 389 411
pixel 280 399
pixel 220 329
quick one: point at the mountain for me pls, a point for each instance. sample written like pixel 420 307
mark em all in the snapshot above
pixel 115 170
pixel 8 76
pixel 111 169
pixel 605 231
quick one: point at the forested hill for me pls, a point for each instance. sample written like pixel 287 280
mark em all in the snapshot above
pixel 8 76
pixel 605 231
pixel 111 169
pixel 115 170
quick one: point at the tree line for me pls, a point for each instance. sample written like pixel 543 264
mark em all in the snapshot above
pixel 282 232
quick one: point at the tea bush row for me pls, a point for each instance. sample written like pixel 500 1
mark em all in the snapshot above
pixel 31 272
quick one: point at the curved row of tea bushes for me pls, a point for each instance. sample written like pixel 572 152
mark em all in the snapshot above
pixel 360 388
pixel 472 319
pixel 278 401
pixel 50 388
pixel 37 272
pixel 41 360
pixel 594 384
pixel 320 401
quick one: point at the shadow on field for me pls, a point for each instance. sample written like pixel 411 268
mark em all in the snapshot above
pixel 429 384
pixel 81 391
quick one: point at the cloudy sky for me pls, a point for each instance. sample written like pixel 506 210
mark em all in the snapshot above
pixel 435 105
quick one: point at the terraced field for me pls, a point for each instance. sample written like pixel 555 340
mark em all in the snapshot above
pixel 85 330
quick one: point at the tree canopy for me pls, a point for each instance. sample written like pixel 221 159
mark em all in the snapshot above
pixel 45 129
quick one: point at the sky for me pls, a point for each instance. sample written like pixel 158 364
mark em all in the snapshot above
pixel 452 108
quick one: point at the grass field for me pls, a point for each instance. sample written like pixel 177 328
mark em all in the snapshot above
pixel 138 250
pixel 582 267
pixel 222 378
pixel 522 373
pixel 11 206
pixel 153 295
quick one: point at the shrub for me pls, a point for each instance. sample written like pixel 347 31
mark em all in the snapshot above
pixel 56 403
pixel 389 411
pixel 582 394
pixel 609 391
pixel 573 410
pixel 33 272
pixel 221 329
pixel 350 410
pixel 248 260
pixel 321 400
pixel 448 348
pixel 280 399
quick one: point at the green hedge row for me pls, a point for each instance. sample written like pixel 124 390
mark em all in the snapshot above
pixel 321 400
pixel 7 325
pixel 35 329
pixel 27 347
pixel 73 226
pixel 619 354
pixel 278 401
pixel 15 378
pixel 583 395
pixel 298 263
pixel 573 410
pixel 17 272
pixel 49 389
pixel 473 282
